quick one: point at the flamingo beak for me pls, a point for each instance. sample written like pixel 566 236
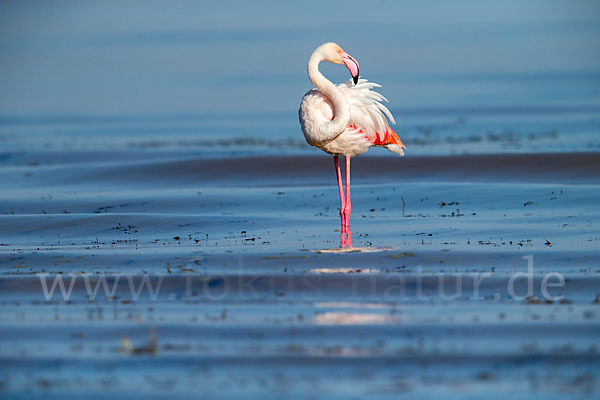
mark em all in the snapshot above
pixel 351 64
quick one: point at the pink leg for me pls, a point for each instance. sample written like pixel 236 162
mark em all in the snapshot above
pixel 336 161
pixel 348 207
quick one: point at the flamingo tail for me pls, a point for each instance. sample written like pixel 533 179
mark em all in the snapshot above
pixel 391 141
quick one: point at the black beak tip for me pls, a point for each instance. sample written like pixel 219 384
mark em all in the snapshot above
pixel 355 79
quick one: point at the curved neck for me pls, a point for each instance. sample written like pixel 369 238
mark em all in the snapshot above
pixel 341 112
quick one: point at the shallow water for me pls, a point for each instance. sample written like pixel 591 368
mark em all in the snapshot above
pixel 167 186
pixel 244 297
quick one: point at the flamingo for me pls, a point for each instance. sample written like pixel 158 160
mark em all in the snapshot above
pixel 345 119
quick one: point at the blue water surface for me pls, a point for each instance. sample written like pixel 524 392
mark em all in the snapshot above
pixel 461 76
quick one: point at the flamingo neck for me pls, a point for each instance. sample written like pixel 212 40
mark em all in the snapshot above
pixel 341 112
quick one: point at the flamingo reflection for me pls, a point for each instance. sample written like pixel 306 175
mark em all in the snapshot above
pixel 346 239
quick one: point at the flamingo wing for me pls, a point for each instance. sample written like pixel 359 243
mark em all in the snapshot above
pixel 370 116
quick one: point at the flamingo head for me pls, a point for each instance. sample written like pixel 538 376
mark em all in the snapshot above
pixel 333 53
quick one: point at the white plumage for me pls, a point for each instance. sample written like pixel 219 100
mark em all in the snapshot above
pixel 364 120
pixel 345 119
